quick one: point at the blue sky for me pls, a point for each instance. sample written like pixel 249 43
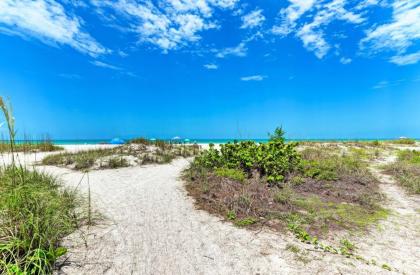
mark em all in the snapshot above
pixel 212 68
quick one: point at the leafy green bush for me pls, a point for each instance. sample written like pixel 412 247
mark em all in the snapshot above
pixel 233 174
pixel 275 159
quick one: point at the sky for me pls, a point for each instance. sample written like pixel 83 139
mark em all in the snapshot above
pixel 212 68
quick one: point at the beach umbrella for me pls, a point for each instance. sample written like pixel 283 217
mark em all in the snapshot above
pixel 176 138
pixel 117 141
pixel 187 140
pixel 152 139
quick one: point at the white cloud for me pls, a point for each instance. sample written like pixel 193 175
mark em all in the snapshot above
pixel 407 59
pixel 240 50
pixel 312 33
pixel 253 78
pixel 105 65
pixel 168 24
pixel 211 66
pixel 48 21
pixel 252 19
pixel 397 36
pixel 291 14
pixel 345 60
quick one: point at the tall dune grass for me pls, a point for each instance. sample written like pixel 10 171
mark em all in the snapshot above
pixel 36 212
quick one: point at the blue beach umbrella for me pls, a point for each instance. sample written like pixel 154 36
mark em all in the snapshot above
pixel 116 141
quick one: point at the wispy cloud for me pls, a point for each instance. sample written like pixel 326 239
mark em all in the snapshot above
pixel 257 77
pixel 239 50
pixel 386 84
pixel 397 36
pixel 253 19
pixel 291 14
pixel 312 33
pixel 407 59
pixel 381 84
pixel 105 65
pixel 70 76
pixel 345 60
pixel 211 66
pixel 170 24
pixel 48 21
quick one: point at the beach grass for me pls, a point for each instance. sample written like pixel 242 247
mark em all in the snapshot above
pixel 36 212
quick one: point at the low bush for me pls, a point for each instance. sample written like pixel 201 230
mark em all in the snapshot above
pixel 274 160
pixel 323 188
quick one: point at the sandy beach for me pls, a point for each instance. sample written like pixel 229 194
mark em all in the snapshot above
pixel 150 226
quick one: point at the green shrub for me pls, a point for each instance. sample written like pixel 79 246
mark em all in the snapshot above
pixel 233 174
pixel 275 159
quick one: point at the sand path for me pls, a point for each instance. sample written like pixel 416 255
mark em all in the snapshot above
pixel 397 239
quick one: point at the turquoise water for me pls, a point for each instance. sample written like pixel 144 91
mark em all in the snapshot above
pixel 204 141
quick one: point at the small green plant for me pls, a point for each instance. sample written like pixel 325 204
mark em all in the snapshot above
pixel 284 196
pixel 386 267
pixel 231 215
pixel 346 247
pixel 292 248
pixel 245 222
pixel 232 174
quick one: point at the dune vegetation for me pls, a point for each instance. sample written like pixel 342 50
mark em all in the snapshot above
pixel 30 147
pixel 137 152
pixel 406 170
pixel 36 212
pixel 311 191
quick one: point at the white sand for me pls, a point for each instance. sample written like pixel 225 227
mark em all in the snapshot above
pixel 152 227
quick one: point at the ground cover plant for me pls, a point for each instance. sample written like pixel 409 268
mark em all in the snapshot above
pixel 315 189
pixel 406 170
pixel 36 212
pixel 136 152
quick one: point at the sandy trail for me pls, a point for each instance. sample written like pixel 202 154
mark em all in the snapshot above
pixel 396 241
pixel 152 227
